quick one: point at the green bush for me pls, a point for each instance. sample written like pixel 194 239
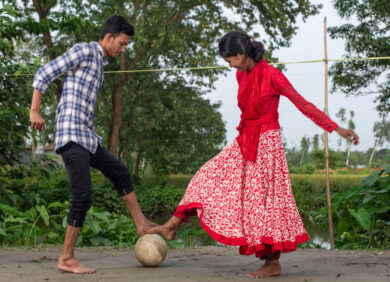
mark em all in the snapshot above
pixel 155 196
pixel 159 201
pixel 310 190
pixel 38 182
pixel 31 193
pixel 44 181
pixel 360 214
pixel 46 225
pixel 179 180
pixel 105 195
pixel 306 169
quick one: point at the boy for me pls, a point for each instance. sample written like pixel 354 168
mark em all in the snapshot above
pixel 75 137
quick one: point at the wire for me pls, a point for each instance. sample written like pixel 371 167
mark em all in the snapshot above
pixel 224 67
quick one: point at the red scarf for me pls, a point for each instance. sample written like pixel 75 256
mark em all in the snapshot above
pixel 251 120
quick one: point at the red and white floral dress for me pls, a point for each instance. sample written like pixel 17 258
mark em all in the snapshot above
pixel 243 195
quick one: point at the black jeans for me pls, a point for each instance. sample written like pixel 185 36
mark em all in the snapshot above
pixel 78 161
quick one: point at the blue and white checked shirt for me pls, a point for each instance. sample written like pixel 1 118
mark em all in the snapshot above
pixel 82 67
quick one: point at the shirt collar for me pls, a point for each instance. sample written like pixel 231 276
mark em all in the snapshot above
pixel 100 48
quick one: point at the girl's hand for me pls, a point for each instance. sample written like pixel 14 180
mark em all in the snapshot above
pixel 348 134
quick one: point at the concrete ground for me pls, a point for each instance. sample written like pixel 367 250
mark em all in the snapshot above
pixel 208 263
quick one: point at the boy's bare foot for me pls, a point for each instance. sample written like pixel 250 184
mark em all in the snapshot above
pixel 270 268
pixel 151 224
pixel 146 228
pixel 73 266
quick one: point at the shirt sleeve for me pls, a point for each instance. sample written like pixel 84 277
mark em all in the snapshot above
pixel 284 87
pixel 59 66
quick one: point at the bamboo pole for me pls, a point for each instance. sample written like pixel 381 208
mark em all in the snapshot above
pixel 33 155
pixel 327 144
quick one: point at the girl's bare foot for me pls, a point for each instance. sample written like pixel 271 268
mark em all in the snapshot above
pixel 73 266
pixel 168 230
pixel 146 228
pixel 270 268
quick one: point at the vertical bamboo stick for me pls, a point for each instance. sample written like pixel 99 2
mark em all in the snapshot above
pixel 33 155
pixel 327 144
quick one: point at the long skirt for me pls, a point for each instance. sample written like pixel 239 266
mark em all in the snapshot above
pixel 244 203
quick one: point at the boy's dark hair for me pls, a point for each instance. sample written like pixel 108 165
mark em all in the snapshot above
pixel 236 42
pixel 117 24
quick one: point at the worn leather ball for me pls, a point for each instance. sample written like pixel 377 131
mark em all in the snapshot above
pixel 150 249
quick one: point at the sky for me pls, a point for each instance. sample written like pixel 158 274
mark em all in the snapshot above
pixel 309 81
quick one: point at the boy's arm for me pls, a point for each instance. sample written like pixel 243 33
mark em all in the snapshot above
pixel 48 73
pixel 59 66
pixel 37 122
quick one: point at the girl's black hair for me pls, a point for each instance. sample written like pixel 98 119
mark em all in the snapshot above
pixel 236 42
pixel 115 25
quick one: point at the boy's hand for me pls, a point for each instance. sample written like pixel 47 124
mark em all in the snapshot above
pixel 37 122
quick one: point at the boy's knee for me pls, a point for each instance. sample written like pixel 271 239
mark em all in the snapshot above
pixel 79 209
pixel 122 182
pixel 87 204
pixel 122 173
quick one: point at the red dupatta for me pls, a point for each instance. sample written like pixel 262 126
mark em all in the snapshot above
pixel 249 103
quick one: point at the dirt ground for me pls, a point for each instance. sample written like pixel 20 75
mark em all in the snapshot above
pixel 196 264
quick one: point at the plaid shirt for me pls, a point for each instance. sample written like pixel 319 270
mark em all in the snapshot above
pixel 82 67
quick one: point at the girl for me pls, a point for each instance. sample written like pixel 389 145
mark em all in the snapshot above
pixel 243 196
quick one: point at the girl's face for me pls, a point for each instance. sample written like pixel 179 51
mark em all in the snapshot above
pixel 240 62
pixel 236 61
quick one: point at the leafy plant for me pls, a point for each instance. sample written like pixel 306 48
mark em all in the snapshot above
pixel 30 184
pixel 43 225
pixel 361 213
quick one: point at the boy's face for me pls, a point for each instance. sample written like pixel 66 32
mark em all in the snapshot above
pixel 116 44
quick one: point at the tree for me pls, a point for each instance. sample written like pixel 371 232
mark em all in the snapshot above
pixel 351 125
pixel 13 91
pixel 168 34
pixel 367 38
pixel 293 156
pixel 305 145
pixel 382 134
pixel 163 30
pixel 316 142
pixel 166 28
pixel 170 129
pixel 335 159
pixel 341 115
pixel 36 22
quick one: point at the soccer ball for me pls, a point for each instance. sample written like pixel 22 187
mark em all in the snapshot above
pixel 150 250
